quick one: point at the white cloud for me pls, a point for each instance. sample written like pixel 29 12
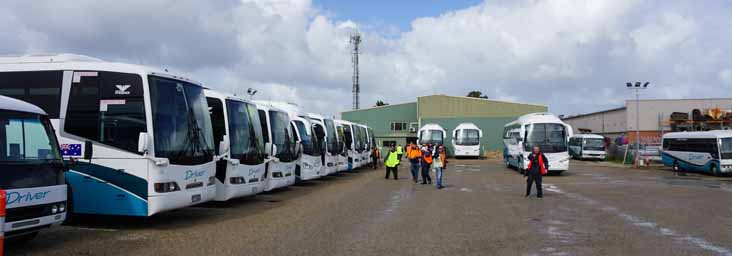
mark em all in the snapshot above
pixel 572 55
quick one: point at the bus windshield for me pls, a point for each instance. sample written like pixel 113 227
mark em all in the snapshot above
pixel 282 136
pixel 726 148
pixel 550 138
pixel 332 137
pixel 182 122
pixel 244 142
pixel 594 144
pixel 307 139
pixel 341 141
pixel 431 137
pixel 349 137
pixel 468 137
pixel 29 155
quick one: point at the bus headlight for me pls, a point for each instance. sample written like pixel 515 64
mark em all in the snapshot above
pixel 237 180
pixel 54 209
pixel 307 165
pixel 62 207
pixel 165 187
pixel 211 180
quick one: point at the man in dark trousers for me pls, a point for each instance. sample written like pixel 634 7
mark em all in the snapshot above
pixel 538 166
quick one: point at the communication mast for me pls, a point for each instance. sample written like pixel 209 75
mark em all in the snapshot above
pixel 355 41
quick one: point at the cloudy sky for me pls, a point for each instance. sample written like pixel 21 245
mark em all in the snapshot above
pixel 572 55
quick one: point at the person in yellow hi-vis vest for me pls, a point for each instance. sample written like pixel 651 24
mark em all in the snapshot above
pixel 399 152
pixel 391 162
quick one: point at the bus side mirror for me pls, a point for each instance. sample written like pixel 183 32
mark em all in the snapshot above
pixel 88 150
pixel 142 142
pixel 268 148
pixel 224 145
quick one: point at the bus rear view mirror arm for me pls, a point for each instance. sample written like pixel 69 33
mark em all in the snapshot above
pixel 88 150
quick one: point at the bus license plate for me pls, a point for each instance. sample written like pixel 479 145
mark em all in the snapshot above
pixel 195 198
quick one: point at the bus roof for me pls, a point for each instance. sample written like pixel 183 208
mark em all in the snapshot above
pixel 542 117
pixel 432 126
pixel 65 61
pixel 588 136
pixel 225 95
pixel 698 135
pixel 8 103
pixel 467 126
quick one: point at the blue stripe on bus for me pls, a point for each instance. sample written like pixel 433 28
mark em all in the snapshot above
pixel 131 183
pixel 669 160
pixel 95 196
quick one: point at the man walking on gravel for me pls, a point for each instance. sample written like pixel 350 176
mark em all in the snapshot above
pixel 538 166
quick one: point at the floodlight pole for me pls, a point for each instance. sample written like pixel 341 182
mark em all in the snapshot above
pixel 637 87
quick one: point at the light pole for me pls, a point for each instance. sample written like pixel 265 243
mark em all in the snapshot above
pixel 637 87
pixel 251 93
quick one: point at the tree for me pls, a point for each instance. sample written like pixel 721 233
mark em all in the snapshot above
pixel 380 103
pixel 477 94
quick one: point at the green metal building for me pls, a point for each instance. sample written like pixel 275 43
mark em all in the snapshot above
pixel 399 123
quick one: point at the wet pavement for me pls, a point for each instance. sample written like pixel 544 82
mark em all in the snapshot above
pixel 590 210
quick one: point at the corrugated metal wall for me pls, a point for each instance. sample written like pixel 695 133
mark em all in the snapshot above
pixel 438 106
pixel 380 119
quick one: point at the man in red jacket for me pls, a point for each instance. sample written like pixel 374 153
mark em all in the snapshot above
pixel 538 166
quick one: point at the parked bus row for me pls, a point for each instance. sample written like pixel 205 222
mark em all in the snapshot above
pixel 137 141
pixel 465 138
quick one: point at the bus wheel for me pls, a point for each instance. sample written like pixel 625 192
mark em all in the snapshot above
pixel 676 166
pixel 508 164
pixel 713 170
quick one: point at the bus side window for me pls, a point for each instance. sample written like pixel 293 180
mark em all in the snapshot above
pixel 107 107
pixel 40 88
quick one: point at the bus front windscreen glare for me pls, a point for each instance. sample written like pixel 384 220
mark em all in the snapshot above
pixel 550 138
pixel 431 137
pixel 182 121
pixel 282 136
pixel 468 137
pixel 245 135
pixel 594 145
pixel 29 154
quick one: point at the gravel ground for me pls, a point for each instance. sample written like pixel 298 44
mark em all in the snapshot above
pixel 590 210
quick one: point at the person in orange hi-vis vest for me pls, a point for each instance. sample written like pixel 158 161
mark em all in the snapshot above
pixel 538 166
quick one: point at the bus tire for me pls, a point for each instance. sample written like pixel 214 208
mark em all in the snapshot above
pixel 507 162
pixel 714 170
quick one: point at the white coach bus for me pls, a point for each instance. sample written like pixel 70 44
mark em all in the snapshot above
pixel 31 169
pixel 238 133
pixel 341 149
pixel 280 146
pixel 431 134
pixel 537 129
pixel 352 159
pixel 138 139
pixel 466 140
pixel 334 146
pixel 709 152
pixel 309 164
pixel 320 126
pixel 587 147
